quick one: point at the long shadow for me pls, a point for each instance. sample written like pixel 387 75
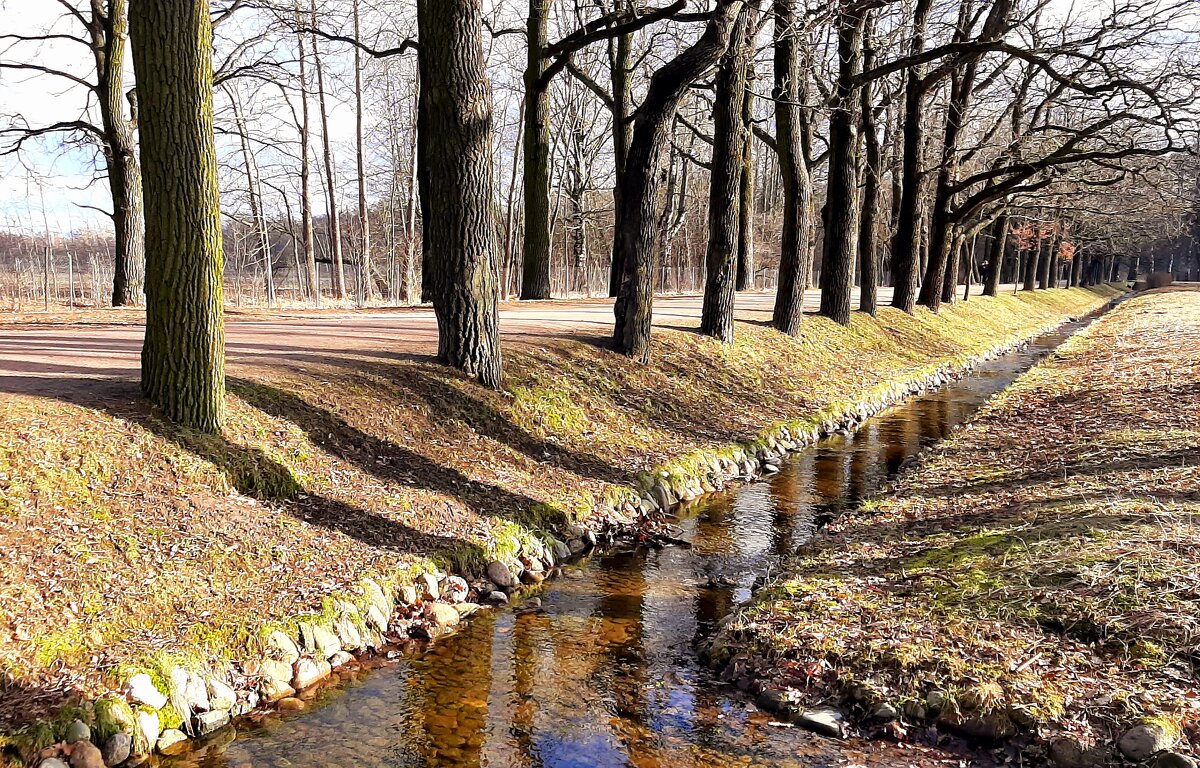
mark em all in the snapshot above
pixel 379 457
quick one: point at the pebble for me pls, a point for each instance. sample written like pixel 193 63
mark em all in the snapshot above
pixel 1142 741
pixel 309 672
pixel 85 754
pixel 52 762
pixel 142 691
pixel 825 721
pixel 171 741
pixel 497 597
pixel 444 615
pixel 501 575
pixel 117 748
pixel 78 731
pixel 220 695
pixel 1174 760
pixel 210 722
pixel 292 704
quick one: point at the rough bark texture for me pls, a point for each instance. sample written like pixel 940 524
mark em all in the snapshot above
pixel 745 262
pixel 331 185
pixel 455 171
pixel 794 236
pixel 725 185
pixel 905 264
pixel 1045 266
pixel 366 275
pixel 841 232
pixel 306 215
pixel 183 358
pixel 640 189
pixel 995 263
pixel 535 274
pixel 108 32
pixel 620 64
pixel 869 214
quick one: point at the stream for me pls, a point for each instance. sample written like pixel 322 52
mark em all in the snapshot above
pixel 604 673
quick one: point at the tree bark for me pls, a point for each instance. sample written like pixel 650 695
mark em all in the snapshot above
pixel 455 175
pixel 995 265
pixel 726 184
pixel 640 190
pixel 306 215
pixel 364 217
pixel 793 170
pixel 867 238
pixel 108 33
pixel 183 357
pixel 535 274
pixel 908 234
pixel 745 260
pixel 837 264
pixel 620 64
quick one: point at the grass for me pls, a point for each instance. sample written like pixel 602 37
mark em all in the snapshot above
pixel 126 537
pixel 1042 561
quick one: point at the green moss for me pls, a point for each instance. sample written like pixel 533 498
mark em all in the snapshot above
pixel 983 545
pixel 550 410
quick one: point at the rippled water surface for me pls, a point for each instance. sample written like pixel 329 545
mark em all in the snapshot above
pixel 604 673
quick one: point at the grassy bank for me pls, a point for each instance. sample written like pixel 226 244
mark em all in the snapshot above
pixel 1039 573
pixel 131 543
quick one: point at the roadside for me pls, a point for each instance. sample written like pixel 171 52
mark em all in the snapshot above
pixel 1035 581
pixel 133 545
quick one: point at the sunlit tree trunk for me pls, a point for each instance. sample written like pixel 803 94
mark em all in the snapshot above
pixel 535 272
pixel 183 358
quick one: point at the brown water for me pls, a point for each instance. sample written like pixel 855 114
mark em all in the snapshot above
pixel 604 672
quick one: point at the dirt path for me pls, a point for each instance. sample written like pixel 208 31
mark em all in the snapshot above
pixel 44 356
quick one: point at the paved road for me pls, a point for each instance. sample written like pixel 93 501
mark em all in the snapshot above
pixel 38 357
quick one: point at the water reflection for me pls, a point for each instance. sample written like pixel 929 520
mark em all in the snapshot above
pixel 604 674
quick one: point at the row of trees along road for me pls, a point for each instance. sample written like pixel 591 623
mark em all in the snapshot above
pixel 751 143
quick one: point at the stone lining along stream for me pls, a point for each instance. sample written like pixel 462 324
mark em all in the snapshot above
pixel 604 671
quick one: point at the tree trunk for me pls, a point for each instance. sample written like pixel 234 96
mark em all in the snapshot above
pixel 306 216
pixel 335 217
pixel 908 233
pixel 1045 267
pixel 867 239
pixel 837 264
pixel 257 214
pixel 535 274
pixel 620 66
pixel 1030 267
pixel 995 265
pixel 183 358
pixel 364 218
pixel 793 170
pixel 108 35
pixel 640 188
pixel 745 260
pixel 455 174
pixel 726 184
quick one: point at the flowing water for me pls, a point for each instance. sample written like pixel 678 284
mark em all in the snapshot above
pixel 604 672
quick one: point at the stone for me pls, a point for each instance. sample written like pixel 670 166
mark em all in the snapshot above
pixel 78 731
pixel 207 723
pixel 454 589
pixel 532 577
pixel 141 690
pixel 326 642
pixel 936 700
pixel 589 538
pixel 220 695
pixel 576 546
pixel 282 647
pixel 113 715
pixel 1067 752
pixel 377 618
pixel 117 749
pixel 991 728
pixel 825 721
pixel 501 574
pixel 172 741
pixel 340 659
pixel 427 585
pixel 148 729
pixel 195 693
pixel 775 702
pixel 348 635
pixel 466 609
pixel 914 711
pixel 1174 760
pixel 85 754
pixel 52 762
pixel 1142 741
pixel 662 496
pixel 560 549
pixel 309 672
pixel 292 704
pixel 885 713
pixel 407 594
pixel 276 670
pixel 376 598
pixel 496 597
pixel 444 615
pixel 273 690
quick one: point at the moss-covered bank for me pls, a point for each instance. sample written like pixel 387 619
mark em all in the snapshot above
pixel 1037 576
pixel 133 545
